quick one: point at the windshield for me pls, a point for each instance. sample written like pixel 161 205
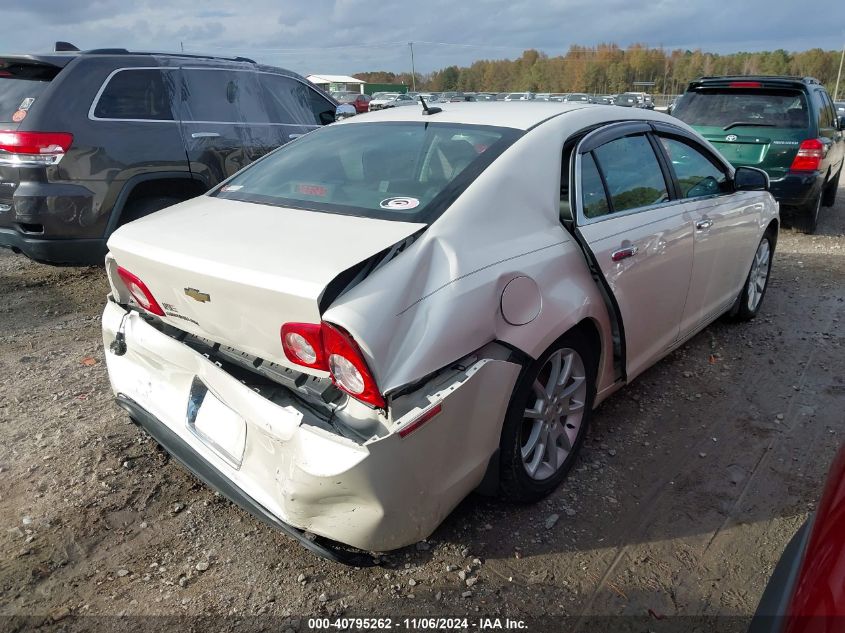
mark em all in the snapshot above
pixel 404 171
pixel 732 107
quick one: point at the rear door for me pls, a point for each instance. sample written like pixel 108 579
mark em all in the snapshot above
pixel 751 126
pixel 829 133
pixel 225 124
pixel 639 237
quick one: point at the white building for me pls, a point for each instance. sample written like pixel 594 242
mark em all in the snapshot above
pixel 337 83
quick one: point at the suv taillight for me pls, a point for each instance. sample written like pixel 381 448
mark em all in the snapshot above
pixel 33 148
pixel 809 156
pixel 329 348
pixel 139 291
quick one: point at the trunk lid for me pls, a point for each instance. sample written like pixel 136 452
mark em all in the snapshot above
pixel 234 271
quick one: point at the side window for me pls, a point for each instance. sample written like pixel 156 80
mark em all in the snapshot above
pixel 290 101
pixel 138 94
pixel 593 198
pixel 822 109
pixel 697 175
pixel 222 96
pixel 632 173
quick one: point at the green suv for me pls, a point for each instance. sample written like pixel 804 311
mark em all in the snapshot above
pixel 787 126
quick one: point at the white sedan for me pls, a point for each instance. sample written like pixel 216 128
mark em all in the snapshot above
pixel 356 331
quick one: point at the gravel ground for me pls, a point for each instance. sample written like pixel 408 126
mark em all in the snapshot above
pixel 691 482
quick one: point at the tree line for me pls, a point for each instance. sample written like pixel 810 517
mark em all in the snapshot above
pixel 607 68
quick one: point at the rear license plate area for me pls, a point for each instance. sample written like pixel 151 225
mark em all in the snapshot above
pixel 215 424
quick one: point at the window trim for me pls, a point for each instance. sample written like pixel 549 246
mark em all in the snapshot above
pixel 178 115
pixel 105 84
pixel 607 134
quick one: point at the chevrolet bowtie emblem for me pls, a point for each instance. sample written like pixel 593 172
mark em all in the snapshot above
pixel 196 295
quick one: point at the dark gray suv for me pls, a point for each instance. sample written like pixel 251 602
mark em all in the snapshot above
pixel 91 140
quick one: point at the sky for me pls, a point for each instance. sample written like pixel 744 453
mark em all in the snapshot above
pixel 348 36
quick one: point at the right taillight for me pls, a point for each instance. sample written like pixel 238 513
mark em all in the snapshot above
pixel 329 348
pixel 809 156
pixel 139 291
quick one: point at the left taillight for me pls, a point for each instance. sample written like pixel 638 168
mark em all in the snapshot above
pixel 139 291
pixel 33 148
pixel 330 348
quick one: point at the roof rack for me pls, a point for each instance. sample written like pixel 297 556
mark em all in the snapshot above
pixel 809 80
pixel 123 51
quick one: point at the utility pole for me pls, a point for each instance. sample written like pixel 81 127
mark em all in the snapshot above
pixel 839 75
pixel 414 72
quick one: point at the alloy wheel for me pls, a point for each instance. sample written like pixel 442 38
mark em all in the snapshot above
pixel 759 275
pixel 552 420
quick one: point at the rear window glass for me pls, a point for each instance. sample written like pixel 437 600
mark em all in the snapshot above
pixel 396 171
pixel 733 107
pixel 145 93
pixel 15 93
pixel 20 86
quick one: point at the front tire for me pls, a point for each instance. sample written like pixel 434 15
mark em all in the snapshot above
pixel 547 420
pixel 751 298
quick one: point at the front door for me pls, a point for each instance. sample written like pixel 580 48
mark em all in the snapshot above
pixel 726 225
pixel 225 124
pixel 639 237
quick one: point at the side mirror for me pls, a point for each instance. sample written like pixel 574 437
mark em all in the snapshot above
pixel 750 179
pixel 344 111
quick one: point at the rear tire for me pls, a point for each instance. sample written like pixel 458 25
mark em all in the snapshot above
pixel 807 218
pixel 547 419
pixel 829 198
pixel 140 207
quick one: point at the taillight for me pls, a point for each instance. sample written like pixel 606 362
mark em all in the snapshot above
pixel 33 148
pixel 809 156
pixel 329 348
pixel 303 345
pixel 139 291
pixel 745 84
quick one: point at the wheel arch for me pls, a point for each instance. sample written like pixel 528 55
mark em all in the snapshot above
pixel 176 184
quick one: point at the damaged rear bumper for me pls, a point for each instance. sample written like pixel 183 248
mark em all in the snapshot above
pixel 375 495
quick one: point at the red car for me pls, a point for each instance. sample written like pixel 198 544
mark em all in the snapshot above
pixel 360 101
pixel 806 593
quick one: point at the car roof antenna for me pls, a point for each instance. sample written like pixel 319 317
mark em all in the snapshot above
pixel 427 110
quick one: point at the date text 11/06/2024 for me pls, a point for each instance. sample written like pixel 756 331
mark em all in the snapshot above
pixel 386 624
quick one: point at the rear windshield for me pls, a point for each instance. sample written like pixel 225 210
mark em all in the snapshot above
pixel 405 171
pixel 732 107
pixel 20 86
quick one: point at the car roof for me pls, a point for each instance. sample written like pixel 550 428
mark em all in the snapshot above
pixel 519 115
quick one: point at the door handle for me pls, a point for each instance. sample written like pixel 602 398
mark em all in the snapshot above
pixel 624 253
pixel 703 225
pixel 293 136
pixel 205 135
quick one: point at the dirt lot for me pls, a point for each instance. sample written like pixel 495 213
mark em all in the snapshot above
pixel 692 481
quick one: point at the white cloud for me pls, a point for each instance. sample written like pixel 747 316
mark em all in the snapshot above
pixel 344 36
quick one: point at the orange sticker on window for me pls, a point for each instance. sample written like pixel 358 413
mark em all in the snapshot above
pixel 19 116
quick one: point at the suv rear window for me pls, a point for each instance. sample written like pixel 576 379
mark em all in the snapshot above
pixel 737 107
pixel 404 171
pixel 20 86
